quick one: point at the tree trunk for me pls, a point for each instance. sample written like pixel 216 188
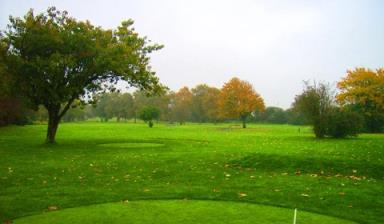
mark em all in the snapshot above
pixel 244 118
pixel 53 123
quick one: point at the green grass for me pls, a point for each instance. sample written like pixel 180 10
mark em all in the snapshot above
pixel 276 165
pixel 178 211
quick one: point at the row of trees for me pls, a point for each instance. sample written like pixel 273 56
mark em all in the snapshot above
pixel 236 100
pixel 202 108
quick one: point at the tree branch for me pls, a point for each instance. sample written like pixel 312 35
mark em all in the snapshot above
pixel 67 106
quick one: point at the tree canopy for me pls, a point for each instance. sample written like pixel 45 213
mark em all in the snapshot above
pixel 56 59
pixel 363 90
pixel 204 106
pixel 238 99
pixel 180 105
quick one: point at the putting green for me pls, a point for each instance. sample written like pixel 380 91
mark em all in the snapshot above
pixel 178 211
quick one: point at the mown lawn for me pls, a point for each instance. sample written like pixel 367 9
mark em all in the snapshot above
pixel 277 165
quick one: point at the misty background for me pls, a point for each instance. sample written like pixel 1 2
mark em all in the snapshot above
pixel 274 45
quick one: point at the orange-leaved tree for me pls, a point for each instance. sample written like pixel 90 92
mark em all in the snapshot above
pixel 363 90
pixel 238 99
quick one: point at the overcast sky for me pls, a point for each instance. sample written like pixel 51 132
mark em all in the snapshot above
pixel 274 45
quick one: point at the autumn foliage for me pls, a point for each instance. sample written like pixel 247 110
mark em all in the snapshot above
pixel 363 90
pixel 238 99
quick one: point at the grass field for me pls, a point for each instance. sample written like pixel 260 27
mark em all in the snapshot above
pixel 202 170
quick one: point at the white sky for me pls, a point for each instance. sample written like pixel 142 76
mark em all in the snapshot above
pixel 274 45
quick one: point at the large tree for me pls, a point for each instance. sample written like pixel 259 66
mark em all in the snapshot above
pixel 238 99
pixel 363 90
pixel 57 59
pixel 13 108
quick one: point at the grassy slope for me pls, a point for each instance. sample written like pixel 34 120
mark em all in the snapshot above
pixel 272 165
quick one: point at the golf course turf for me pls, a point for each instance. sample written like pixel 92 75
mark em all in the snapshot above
pixel 178 211
pixel 195 173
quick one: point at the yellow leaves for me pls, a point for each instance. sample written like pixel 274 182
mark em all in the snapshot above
pixel 238 98
pixel 363 87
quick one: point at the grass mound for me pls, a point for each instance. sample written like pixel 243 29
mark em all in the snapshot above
pixel 178 211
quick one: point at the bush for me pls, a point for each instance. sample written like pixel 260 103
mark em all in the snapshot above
pixel 341 123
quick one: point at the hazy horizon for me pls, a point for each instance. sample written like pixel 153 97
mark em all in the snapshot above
pixel 274 45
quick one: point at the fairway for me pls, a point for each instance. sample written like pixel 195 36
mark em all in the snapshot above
pixel 194 173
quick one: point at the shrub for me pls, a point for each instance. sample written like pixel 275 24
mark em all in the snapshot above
pixel 341 123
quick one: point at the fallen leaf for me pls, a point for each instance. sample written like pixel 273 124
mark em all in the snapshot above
pixel 52 208
pixel 241 195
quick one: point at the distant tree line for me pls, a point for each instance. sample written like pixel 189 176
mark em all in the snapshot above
pixel 331 114
pixel 343 114
pixel 199 105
